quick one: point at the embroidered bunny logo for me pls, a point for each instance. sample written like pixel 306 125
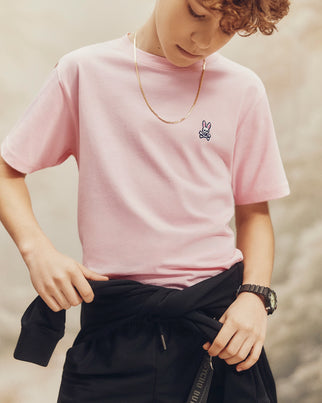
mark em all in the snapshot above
pixel 204 132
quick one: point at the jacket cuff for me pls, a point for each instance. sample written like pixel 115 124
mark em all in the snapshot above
pixel 36 345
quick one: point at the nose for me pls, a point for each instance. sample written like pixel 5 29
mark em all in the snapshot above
pixel 203 38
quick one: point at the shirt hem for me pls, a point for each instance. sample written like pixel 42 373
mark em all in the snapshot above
pixel 265 196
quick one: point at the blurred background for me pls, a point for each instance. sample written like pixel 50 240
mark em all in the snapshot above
pixel 33 36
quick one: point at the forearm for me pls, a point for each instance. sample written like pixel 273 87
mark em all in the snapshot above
pixel 241 338
pixel 255 238
pixel 16 212
pixel 58 279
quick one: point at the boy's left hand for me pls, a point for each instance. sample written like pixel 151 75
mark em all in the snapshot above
pixel 243 333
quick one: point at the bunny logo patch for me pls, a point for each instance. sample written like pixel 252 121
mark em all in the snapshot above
pixel 204 132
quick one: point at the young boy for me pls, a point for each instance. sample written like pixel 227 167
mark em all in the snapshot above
pixel 158 186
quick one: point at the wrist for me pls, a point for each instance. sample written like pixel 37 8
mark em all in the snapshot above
pixel 35 244
pixel 252 297
pixel 267 295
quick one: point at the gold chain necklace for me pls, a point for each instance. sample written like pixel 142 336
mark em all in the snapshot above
pixel 146 101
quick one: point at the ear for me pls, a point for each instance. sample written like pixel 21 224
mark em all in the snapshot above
pixel 204 123
pixel 209 126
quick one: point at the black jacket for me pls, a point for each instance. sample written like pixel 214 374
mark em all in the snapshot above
pixel 119 301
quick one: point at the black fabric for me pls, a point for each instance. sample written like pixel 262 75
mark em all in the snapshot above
pixel 201 385
pixel 119 357
pixel 41 329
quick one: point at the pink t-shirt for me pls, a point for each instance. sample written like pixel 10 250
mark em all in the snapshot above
pixel 155 199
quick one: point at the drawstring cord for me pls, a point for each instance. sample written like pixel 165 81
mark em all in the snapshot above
pixel 162 336
pixel 201 385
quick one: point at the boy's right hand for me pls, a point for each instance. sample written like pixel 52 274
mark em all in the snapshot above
pixel 58 279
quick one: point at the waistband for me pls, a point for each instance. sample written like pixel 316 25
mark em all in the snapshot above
pixel 120 301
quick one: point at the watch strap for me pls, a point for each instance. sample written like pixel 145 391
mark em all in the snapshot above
pixel 253 288
pixel 263 292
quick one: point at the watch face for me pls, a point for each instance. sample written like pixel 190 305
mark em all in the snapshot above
pixel 273 299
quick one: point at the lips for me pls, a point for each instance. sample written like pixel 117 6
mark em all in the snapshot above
pixel 187 53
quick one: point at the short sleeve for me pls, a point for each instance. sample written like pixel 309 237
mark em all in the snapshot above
pixel 257 171
pixel 45 135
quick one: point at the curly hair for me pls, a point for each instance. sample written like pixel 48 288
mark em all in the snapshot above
pixel 248 16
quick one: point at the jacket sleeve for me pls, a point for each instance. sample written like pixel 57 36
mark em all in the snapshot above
pixel 41 329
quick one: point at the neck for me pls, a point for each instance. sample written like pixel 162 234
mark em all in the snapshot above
pixel 147 38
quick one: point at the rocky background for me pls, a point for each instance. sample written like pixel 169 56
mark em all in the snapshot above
pixel 33 35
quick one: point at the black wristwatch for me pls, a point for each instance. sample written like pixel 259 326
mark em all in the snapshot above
pixel 265 293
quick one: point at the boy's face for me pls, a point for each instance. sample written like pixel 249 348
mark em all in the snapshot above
pixel 177 27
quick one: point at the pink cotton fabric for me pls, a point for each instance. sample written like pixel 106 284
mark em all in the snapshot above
pixel 155 199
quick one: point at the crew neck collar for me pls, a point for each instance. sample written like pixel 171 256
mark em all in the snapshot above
pixel 161 62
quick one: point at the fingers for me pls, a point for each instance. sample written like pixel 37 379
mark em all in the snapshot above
pixel 232 352
pixel 68 289
pixel 207 345
pixel 236 347
pixel 71 296
pixel 241 338
pixel 83 287
pixel 91 275
pixel 252 358
pixel 61 300
pixel 241 349
pixel 58 299
pixel 59 280
pixel 222 339
pixel 51 302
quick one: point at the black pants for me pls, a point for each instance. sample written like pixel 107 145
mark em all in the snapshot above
pixel 127 363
